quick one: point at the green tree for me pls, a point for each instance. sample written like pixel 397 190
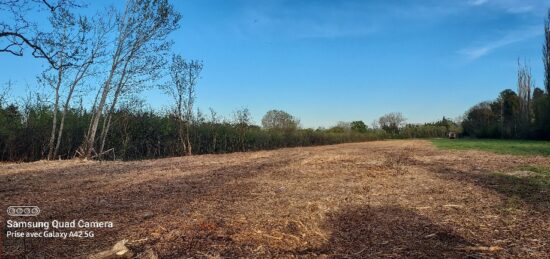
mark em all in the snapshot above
pixel 540 116
pixel 509 113
pixel 358 126
pixel 481 121
pixel 279 120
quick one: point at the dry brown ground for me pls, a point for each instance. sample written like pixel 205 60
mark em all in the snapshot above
pixel 373 199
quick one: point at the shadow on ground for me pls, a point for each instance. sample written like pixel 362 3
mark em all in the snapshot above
pixel 526 186
pixel 135 209
pixel 388 232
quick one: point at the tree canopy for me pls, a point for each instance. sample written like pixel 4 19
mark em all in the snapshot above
pixel 279 120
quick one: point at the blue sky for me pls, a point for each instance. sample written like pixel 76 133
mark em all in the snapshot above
pixel 329 61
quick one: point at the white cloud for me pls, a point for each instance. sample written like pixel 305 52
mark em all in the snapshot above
pixel 279 19
pixel 537 7
pixel 477 2
pixel 473 53
pixel 306 21
pixel 521 9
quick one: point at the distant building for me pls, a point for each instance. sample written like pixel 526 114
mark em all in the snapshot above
pixel 452 135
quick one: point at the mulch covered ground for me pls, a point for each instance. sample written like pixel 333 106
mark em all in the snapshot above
pixel 373 199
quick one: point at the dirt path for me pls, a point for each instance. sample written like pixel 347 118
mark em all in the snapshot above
pixel 373 199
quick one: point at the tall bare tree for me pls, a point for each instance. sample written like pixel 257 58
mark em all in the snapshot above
pixel 142 28
pixel 546 54
pixel 64 45
pixel 93 47
pixel 525 83
pixel 184 75
pixel 140 72
pixel 545 122
pixel 214 121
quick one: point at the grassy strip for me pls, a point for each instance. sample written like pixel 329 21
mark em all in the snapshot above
pixel 533 188
pixel 513 147
pixel 541 177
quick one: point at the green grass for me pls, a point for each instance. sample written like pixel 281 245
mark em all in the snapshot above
pixel 541 176
pixel 513 147
pixel 534 188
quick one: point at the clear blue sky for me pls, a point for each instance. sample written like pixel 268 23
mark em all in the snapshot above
pixel 329 61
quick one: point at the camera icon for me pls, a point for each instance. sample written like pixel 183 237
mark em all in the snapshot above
pixel 23 211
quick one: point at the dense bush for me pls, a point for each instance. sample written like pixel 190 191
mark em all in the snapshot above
pixel 138 134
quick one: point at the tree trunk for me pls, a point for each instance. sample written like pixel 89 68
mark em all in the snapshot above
pixel 181 134
pixel 55 111
pixel 60 133
pixel 105 129
pixel 187 139
pixel 214 143
pixel 75 82
pixel 90 140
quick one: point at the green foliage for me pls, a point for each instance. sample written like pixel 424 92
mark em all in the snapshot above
pixel 541 114
pixel 438 129
pixel 358 126
pixel 481 121
pixel 279 120
pixel 423 131
pixel 340 127
pixel 509 113
pixel 502 118
pixel 140 134
pixel 514 147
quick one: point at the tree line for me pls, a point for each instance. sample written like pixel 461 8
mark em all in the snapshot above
pixel 111 57
pixel 122 52
pixel 143 133
pixel 140 133
pixel 520 114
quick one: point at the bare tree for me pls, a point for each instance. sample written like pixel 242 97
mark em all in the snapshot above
pixel 4 92
pixel 374 124
pixel 391 122
pixel 525 83
pixel 184 75
pixel 135 76
pixel 546 53
pixel 242 119
pixel 17 31
pixel 142 28
pixel 64 45
pixel 344 125
pixel 214 121
pixel 92 49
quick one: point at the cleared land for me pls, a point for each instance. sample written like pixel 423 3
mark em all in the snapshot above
pixel 373 199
